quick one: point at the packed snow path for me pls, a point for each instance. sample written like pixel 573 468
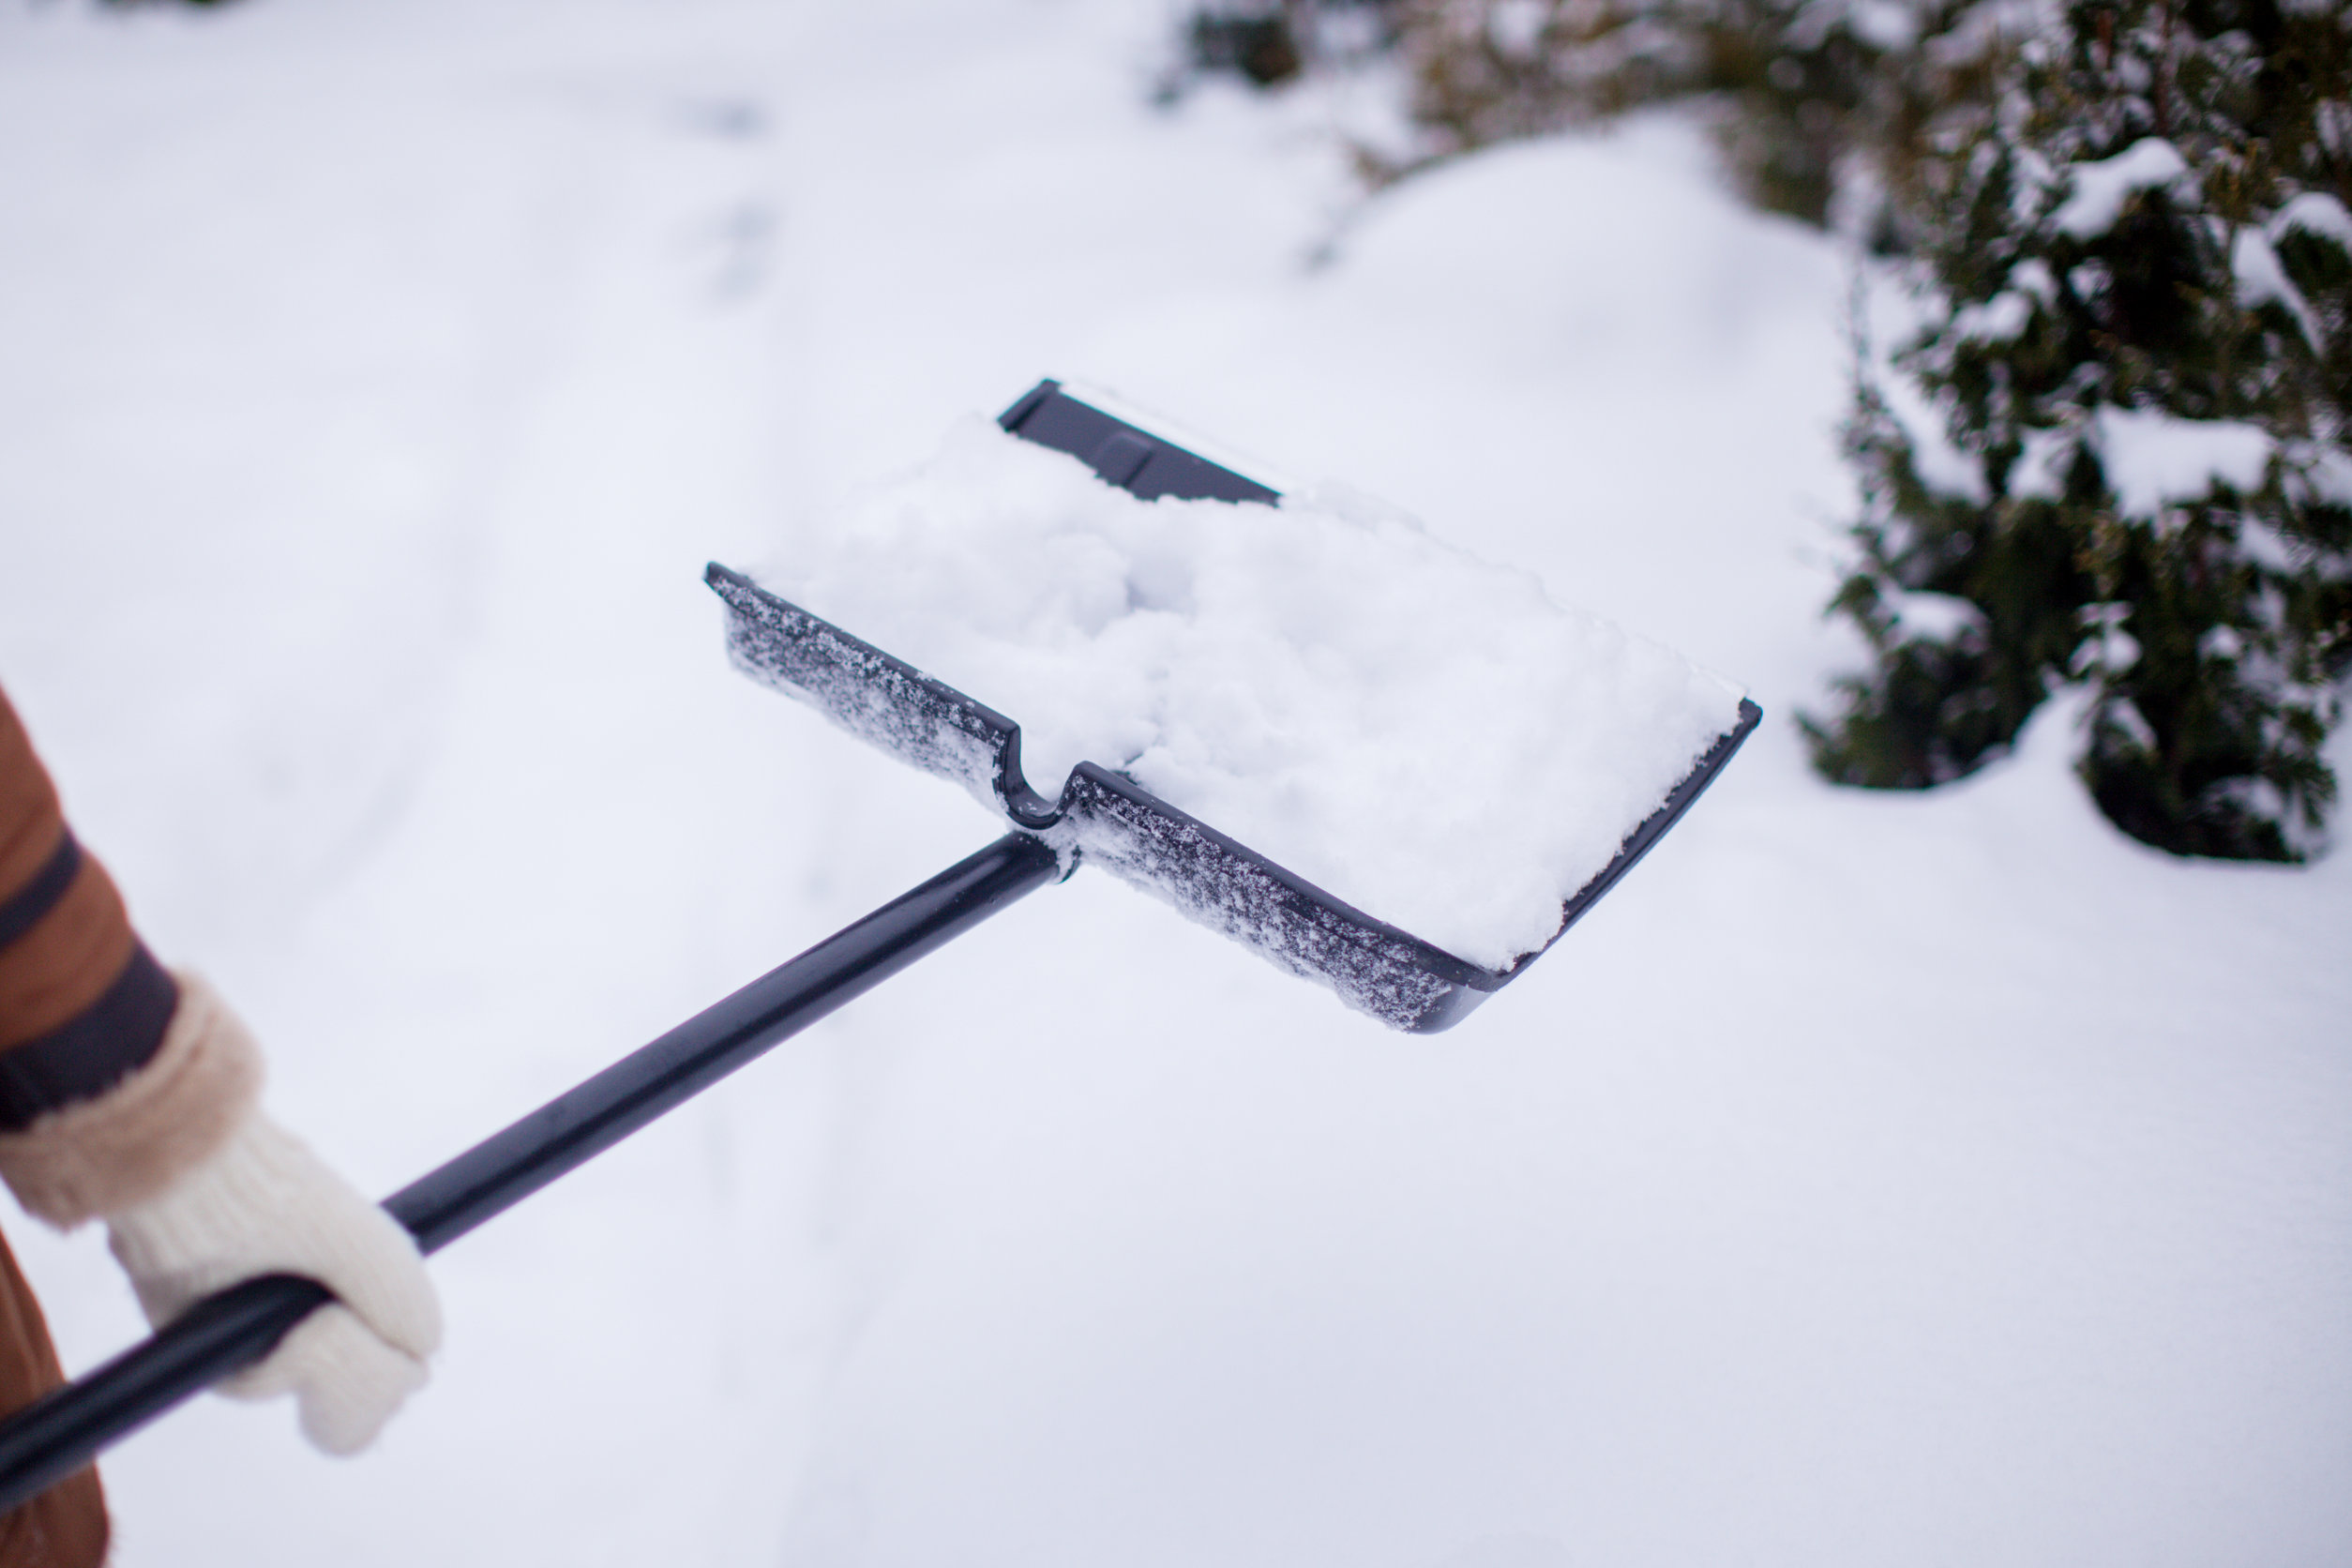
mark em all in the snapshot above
pixel 1868 1178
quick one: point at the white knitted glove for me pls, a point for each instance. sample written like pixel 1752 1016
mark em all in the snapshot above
pixel 264 1203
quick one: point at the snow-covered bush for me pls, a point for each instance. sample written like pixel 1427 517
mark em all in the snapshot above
pixel 2114 452
pixel 1811 99
pixel 1819 105
pixel 2110 447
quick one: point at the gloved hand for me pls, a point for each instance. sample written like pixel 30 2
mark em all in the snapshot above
pixel 200 1190
pixel 264 1203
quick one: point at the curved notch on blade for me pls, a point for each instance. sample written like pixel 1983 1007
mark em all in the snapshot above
pixel 1103 817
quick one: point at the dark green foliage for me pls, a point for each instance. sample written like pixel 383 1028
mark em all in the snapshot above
pixel 1935 707
pixel 2146 381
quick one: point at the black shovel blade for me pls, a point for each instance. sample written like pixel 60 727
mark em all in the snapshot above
pixel 1107 819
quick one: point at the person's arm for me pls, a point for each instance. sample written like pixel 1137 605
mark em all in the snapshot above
pixel 131 1093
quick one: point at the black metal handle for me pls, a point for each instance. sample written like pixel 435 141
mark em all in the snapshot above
pixel 65 1429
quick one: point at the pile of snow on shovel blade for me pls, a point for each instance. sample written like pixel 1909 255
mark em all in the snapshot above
pixel 1421 733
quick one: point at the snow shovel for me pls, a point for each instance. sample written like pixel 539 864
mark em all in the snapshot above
pixel 1102 816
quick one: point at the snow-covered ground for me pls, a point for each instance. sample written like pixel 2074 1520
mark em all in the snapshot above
pixel 1870 1180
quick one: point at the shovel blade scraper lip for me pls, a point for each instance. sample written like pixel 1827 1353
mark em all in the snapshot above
pixel 1107 819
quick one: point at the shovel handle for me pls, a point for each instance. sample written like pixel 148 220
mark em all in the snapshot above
pixel 68 1427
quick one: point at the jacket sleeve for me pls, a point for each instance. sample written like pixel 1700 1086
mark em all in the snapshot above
pixel 115 1076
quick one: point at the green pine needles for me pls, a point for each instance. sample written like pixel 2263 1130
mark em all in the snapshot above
pixel 2114 454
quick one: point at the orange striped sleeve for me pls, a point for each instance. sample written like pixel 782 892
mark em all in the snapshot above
pixel 81 1003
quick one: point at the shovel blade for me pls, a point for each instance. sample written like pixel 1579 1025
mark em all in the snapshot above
pixel 1105 818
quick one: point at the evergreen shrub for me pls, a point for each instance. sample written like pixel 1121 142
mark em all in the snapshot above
pixel 2109 452
pixel 2113 454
